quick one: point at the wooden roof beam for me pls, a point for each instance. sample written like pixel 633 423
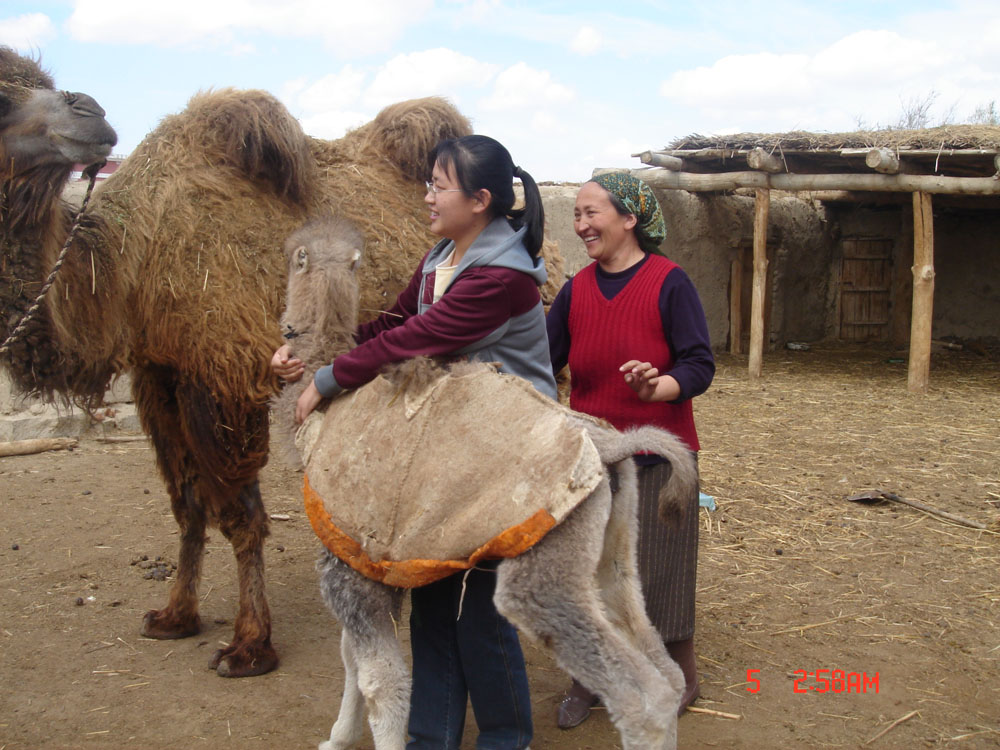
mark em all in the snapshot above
pixel 899 183
pixel 883 160
pixel 659 159
pixel 764 161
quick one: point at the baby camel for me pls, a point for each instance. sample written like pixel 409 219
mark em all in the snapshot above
pixel 576 592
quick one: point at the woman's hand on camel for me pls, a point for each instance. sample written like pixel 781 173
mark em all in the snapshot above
pixel 308 401
pixel 647 382
pixel 286 366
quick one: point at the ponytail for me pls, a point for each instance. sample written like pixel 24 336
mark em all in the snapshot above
pixel 532 215
pixel 480 162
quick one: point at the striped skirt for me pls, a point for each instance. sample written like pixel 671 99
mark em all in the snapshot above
pixel 668 559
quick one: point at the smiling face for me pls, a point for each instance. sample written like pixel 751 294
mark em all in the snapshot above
pixel 454 214
pixel 608 235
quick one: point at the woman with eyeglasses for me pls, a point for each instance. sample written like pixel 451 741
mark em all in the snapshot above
pixel 475 294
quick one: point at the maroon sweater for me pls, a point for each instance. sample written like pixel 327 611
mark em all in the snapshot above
pixel 608 332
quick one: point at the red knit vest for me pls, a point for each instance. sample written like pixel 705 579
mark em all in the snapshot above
pixel 606 334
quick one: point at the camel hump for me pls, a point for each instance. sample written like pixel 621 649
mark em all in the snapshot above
pixel 258 135
pixel 406 133
pixel 18 76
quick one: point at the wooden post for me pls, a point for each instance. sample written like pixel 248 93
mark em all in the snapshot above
pixel 923 294
pixel 736 305
pixel 762 204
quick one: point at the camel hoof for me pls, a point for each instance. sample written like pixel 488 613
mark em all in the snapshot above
pixel 244 661
pixel 160 624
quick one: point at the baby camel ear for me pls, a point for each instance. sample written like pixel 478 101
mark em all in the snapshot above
pixel 300 258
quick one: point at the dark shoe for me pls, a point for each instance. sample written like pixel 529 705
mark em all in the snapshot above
pixel 690 694
pixel 682 652
pixel 575 706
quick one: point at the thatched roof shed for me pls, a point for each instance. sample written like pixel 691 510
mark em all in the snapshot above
pixel 956 163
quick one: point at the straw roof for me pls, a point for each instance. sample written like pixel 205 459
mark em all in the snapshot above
pixel 945 137
pixel 960 150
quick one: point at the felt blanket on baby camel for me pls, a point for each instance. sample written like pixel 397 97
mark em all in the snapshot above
pixel 416 476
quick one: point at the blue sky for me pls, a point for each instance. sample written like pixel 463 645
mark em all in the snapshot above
pixel 566 86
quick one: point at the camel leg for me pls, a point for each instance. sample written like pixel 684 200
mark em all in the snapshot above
pixel 550 593
pixel 373 659
pixel 618 581
pixel 158 411
pixel 245 526
pixel 179 619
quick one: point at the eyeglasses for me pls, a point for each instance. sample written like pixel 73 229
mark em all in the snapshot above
pixel 432 188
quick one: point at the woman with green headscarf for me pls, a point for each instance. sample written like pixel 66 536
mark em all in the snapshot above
pixel 633 332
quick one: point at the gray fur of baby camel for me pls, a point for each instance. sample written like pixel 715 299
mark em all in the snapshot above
pixel 576 592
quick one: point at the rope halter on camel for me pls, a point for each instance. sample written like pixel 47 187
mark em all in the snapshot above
pixel 18 333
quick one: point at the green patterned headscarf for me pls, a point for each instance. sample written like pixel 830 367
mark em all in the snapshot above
pixel 637 198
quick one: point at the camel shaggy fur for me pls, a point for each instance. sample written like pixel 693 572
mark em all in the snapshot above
pixel 575 592
pixel 176 276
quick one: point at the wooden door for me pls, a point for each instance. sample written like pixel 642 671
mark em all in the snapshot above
pixel 865 283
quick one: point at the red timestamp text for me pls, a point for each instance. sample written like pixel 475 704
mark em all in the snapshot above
pixel 823 681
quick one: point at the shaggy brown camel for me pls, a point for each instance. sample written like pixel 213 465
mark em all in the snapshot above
pixel 176 276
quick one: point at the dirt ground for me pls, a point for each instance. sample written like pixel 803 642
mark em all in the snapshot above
pixel 793 578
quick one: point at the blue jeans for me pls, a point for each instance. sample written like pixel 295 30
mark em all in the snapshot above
pixel 475 657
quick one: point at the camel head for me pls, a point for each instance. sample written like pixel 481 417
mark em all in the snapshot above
pixel 42 128
pixel 44 133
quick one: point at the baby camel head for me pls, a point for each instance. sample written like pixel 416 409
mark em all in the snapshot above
pixel 322 295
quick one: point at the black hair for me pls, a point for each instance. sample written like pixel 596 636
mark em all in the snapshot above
pixel 480 162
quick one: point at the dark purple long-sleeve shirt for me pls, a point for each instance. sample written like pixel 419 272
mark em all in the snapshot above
pixel 684 326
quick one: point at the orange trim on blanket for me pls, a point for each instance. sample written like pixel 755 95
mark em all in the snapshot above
pixel 411 573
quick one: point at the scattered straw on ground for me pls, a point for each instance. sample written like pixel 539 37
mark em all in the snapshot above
pixel 794 576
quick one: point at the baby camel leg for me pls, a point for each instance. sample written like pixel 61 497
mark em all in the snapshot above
pixel 348 730
pixel 550 593
pixel 374 668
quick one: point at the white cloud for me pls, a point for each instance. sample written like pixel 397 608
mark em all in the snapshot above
pixel 474 10
pixel 866 77
pixel 622 148
pixel 337 90
pixel 740 80
pixel 333 124
pixel 893 57
pixel 587 41
pixel 27 32
pixel 329 106
pixel 431 72
pixel 365 27
pixel 334 103
pixel 549 125
pixel 522 87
